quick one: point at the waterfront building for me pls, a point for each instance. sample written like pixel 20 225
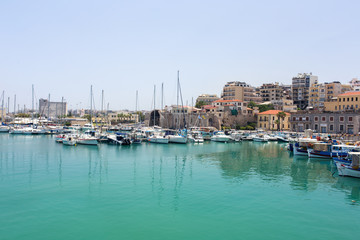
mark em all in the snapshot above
pixel 123 116
pixel 349 101
pixel 268 120
pixel 240 91
pixel 301 89
pixel 237 106
pixel 325 122
pixel 324 92
pixel 52 109
pixel 355 84
pixel 207 98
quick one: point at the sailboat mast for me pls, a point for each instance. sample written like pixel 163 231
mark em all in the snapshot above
pixel 2 107
pixel 154 102
pixel 177 101
pixel 102 101
pixel 32 112
pixel 91 93
pixel 136 101
pixel 8 110
pixel 15 104
pixel 162 96
pixel 48 107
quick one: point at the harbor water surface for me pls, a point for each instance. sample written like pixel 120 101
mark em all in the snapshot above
pixel 244 190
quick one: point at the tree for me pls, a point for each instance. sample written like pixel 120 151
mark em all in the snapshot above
pixel 263 108
pixel 280 115
pixel 199 104
pixel 252 104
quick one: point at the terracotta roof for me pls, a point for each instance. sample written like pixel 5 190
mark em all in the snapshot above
pixel 272 112
pixel 226 101
pixel 350 93
pixel 249 109
pixel 230 105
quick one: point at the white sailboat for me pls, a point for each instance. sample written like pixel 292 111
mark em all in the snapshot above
pixel 3 128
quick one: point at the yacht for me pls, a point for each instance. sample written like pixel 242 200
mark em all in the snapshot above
pixel 220 137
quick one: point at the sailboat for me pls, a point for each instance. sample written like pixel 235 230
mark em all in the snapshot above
pixel 88 138
pixel 3 127
pixel 178 138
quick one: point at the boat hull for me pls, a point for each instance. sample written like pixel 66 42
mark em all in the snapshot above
pixel 344 170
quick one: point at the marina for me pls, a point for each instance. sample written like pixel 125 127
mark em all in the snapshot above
pixel 211 190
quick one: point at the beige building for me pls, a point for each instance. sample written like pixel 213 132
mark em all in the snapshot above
pixel 301 89
pixel 267 120
pixel 271 92
pixel 325 92
pixel 349 101
pixel 207 98
pixel 122 116
pixel 239 91
pixel 220 106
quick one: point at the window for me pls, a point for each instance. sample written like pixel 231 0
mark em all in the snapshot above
pixel 356 99
pixel 316 127
pixel 323 119
pixel 339 99
pixel 336 108
pixel 260 119
pixel 341 128
pixel 316 119
pixel 331 119
pixel 348 99
pixel 350 119
pixel 307 118
pixel 331 127
pixel 294 118
pixel 260 125
pixel 341 119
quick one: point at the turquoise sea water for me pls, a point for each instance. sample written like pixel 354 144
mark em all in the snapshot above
pixel 242 190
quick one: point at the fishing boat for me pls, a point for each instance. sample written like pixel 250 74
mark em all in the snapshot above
pixel 328 151
pixel 220 137
pixel 302 146
pixel 352 170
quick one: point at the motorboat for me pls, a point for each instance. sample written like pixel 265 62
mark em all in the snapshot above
pixel 195 137
pixel 220 137
pixel 260 138
pixel 158 139
pixel 177 139
pixel 70 140
pixel 352 170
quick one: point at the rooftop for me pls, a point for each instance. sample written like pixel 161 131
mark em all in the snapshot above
pixel 350 93
pixel 273 112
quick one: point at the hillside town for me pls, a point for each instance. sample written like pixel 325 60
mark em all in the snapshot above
pixel 307 103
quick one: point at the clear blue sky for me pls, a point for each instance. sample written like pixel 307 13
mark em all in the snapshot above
pixel 63 47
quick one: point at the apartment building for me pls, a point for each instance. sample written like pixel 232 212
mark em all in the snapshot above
pixel 349 101
pixel 301 89
pixel 240 91
pixel 207 98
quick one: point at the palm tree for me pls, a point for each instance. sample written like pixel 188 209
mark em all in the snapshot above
pixel 280 115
